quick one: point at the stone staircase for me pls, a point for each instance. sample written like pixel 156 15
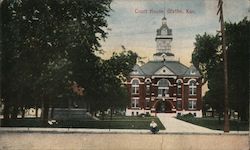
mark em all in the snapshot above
pixel 171 115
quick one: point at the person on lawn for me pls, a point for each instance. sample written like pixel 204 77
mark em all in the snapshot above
pixel 153 127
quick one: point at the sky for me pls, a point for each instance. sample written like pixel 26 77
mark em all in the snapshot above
pixel 133 24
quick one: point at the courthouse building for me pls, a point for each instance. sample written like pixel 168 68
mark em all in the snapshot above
pixel 164 85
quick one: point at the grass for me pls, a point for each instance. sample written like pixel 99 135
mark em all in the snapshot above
pixel 115 123
pixel 215 124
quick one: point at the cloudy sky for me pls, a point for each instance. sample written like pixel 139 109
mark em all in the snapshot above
pixel 133 23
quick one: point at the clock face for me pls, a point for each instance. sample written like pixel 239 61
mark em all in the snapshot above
pixel 163 44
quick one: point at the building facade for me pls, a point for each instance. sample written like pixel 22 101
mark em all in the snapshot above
pixel 164 85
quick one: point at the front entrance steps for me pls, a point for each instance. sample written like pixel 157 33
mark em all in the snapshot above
pixel 171 115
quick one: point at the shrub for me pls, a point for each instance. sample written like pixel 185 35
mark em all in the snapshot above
pixel 188 116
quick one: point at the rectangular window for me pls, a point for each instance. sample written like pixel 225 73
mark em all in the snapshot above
pixel 178 90
pixel 192 104
pixel 163 92
pixel 178 104
pixel 160 92
pixel 148 89
pixel 147 102
pixel 135 90
pixel 192 90
pixel 135 102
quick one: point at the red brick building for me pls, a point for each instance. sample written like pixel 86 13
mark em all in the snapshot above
pixel 164 85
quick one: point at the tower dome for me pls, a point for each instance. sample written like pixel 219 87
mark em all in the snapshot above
pixel 163 40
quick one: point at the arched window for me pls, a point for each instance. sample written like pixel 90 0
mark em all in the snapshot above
pixel 192 88
pixel 147 87
pixel 163 88
pixel 147 102
pixel 178 88
pixel 135 87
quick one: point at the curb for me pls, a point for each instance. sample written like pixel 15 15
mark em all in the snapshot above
pixel 5 130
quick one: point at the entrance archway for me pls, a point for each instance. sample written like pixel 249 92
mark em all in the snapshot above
pixel 163 106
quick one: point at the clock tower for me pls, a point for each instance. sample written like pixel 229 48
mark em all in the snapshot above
pixel 163 42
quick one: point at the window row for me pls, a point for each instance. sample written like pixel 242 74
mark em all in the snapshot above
pixel 135 102
pixel 163 87
pixel 192 104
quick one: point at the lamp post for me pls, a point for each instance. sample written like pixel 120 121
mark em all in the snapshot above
pixel 221 20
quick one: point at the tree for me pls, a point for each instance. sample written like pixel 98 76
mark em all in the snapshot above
pixel 107 90
pixel 238 35
pixel 207 57
pixel 119 66
pixel 215 96
pixel 40 40
pixel 206 54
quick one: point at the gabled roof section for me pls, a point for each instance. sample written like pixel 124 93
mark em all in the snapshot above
pixel 137 70
pixel 175 67
pixel 192 71
pixel 164 71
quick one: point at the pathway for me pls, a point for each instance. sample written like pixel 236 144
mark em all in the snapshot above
pixel 177 126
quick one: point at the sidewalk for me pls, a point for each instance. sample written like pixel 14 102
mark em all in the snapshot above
pixel 174 125
pixel 124 141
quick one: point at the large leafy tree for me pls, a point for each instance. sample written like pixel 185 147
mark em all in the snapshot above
pixel 238 35
pixel 107 90
pixel 206 54
pixel 207 57
pixel 45 44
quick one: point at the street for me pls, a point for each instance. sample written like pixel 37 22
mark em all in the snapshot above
pixel 122 141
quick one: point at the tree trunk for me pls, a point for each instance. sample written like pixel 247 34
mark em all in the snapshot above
pixel 14 113
pixel 6 112
pixel 111 113
pixel 36 107
pixel 230 112
pixel 220 115
pixel 45 112
pixel 52 112
pixel 23 112
pixel 6 115
pixel 69 107
pixel 243 114
pixel 102 114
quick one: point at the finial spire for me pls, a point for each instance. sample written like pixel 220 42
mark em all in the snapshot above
pixel 164 8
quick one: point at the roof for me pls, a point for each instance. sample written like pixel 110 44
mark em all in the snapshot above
pixel 137 70
pixel 151 67
pixel 161 53
pixel 192 71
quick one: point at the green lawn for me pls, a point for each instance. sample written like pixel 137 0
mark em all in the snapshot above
pixel 215 124
pixel 115 123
